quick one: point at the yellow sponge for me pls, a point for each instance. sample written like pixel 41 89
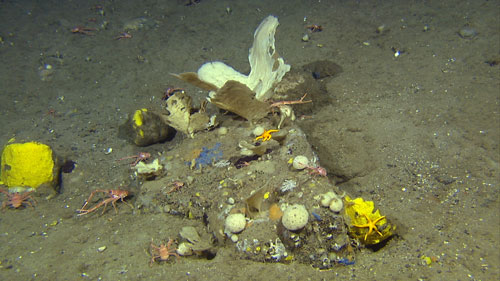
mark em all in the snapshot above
pixel 28 164
pixel 367 226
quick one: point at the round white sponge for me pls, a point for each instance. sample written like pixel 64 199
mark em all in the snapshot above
pixel 332 200
pixel 327 198
pixel 235 223
pixel 295 217
pixel 336 204
pixel 300 162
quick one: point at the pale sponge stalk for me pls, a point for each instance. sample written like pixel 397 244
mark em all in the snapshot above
pixel 267 68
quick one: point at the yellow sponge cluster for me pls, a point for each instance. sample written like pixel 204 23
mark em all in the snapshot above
pixel 28 164
pixel 367 226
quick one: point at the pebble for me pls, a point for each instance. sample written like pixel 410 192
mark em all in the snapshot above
pixel 467 32
pixel 259 130
pixel 234 238
pixel 222 131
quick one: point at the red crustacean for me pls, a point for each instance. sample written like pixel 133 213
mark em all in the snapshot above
pixel 176 186
pixel 83 30
pixel 124 35
pixel 315 28
pixel 162 252
pixel 169 92
pixel 316 171
pixel 17 199
pixel 142 156
pixel 113 196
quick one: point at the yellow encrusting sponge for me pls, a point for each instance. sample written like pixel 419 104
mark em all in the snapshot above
pixel 138 119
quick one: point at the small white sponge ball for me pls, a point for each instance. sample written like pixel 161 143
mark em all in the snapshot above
pixel 336 204
pixel 327 198
pixel 259 130
pixel 235 223
pixel 295 217
pixel 300 162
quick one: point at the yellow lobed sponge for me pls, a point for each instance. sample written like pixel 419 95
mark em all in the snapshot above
pixel 28 164
pixel 368 227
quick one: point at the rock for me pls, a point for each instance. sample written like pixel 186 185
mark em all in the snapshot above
pixel 467 32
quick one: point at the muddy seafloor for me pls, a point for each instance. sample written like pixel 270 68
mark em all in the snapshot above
pixel 416 133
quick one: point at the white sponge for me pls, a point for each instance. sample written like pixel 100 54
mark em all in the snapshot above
pixel 235 223
pixel 295 217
